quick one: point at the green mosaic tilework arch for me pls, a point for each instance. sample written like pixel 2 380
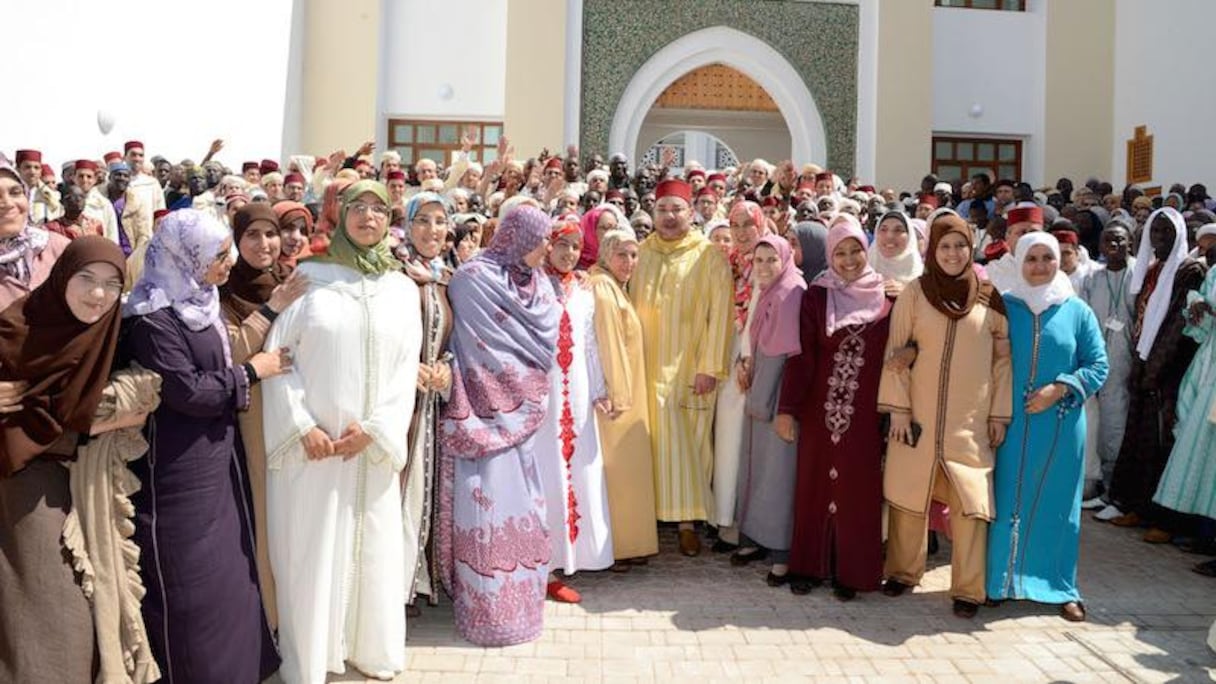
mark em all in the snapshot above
pixel 820 40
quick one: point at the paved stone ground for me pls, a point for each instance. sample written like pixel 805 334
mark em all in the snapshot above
pixel 699 619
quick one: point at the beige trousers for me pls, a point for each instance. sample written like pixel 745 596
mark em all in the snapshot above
pixel 907 540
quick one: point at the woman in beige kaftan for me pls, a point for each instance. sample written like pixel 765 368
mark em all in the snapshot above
pixel 625 439
pixel 958 394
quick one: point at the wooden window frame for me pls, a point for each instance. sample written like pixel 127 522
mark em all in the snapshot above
pixel 1140 145
pixel 969 4
pixel 449 149
pixel 972 166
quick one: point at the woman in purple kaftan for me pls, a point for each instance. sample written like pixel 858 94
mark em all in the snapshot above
pixel 493 546
pixel 193 519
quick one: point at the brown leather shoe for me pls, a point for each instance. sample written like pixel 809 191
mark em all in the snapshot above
pixel 690 543
pixel 1127 520
pixel 1073 611
pixel 1157 535
pixel 965 609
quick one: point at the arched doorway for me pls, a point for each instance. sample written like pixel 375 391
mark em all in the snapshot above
pixel 718 116
pixel 720 45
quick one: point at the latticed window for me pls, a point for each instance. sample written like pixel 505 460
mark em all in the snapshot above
pixel 716 86
pixel 1140 156
pixel 960 158
pixel 418 139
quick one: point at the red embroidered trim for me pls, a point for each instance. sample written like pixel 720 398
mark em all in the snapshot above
pixel 565 357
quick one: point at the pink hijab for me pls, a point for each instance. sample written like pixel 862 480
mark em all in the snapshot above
pixel 861 301
pixel 591 241
pixel 774 328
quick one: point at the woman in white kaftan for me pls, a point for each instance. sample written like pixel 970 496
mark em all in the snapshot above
pixel 335 433
pixel 567 442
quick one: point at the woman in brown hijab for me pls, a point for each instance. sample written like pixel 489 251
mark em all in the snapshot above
pixel 948 413
pixel 60 339
pixel 260 286
pixel 295 231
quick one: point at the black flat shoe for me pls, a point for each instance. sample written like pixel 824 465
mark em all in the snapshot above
pixel 777 580
pixel 738 559
pixel 723 547
pixel 801 586
pixel 1207 569
pixel 894 587
pixel 965 609
pixel 844 593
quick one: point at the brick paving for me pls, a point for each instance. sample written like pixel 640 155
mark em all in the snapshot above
pixel 699 619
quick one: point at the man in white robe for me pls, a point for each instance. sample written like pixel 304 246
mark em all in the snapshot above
pixel 96 204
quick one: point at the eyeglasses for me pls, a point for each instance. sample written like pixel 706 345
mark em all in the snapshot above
pixel 378 210
pixel 422 222
pixel 112 288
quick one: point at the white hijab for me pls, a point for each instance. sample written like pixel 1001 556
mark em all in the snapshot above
pixel 1040 298
pixel 1159 301
pixel 903 267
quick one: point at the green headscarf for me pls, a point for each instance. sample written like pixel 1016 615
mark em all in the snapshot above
pixel 372 260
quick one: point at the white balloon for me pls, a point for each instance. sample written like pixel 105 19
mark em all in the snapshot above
pixel 105 121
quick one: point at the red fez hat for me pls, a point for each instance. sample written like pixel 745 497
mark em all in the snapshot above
pixel 673 188
pixel 159 214
pixel 28 155
pixel 132 145
pixel 248 166
pixel 716 177
pixel 1024 215
pixel 1066 237
pixel 269 166
pixel 112 157
pixel 995 250
pixel 293 178
pixel 707 191
pixel 696 172
pixel 613 194
pixel 395 175
pixel 47 171
pixel 553 163
pixel 927 198
pixel 769 201
pixel 806 185
pixel 87 164
pixel 867 188
pixel 824 176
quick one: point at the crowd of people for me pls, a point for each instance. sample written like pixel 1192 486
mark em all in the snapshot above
pixel 255 421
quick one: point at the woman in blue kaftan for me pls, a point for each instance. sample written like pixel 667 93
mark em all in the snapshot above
pixel 1059 361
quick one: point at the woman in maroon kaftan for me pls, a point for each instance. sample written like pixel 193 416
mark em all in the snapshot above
pixel 831 389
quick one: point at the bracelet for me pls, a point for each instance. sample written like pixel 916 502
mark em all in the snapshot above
pixel 268 313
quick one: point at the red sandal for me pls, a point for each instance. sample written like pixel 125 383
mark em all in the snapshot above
pixel 562 593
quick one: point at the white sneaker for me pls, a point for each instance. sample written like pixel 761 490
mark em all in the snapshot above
pixel 1109 513
pixel 1091 504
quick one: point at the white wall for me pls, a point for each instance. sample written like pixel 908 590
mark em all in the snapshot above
pixel 1164 79
pixel 444 59
pixel 175 75
pixel 997 60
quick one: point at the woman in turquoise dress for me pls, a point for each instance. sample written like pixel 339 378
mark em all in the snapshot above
pixel 1189 482
pixel 1059 361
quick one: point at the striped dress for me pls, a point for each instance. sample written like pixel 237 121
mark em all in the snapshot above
pixel 682 293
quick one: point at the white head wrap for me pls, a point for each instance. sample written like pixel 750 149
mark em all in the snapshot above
pixel 1159 301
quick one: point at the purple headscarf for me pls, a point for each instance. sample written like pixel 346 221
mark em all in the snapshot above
pixel 504 336
pixel 181 251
